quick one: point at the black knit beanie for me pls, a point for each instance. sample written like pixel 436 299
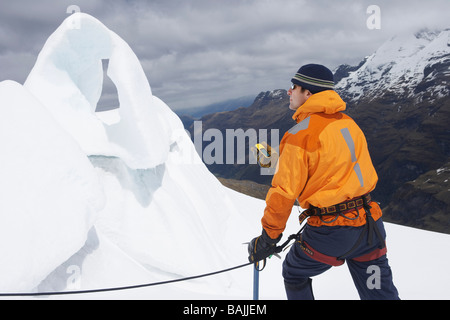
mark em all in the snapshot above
pixel 314 77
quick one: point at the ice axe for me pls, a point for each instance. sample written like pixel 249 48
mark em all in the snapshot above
pixel 265 157
pixel 256 271
pixel 260 258
pixel 256 281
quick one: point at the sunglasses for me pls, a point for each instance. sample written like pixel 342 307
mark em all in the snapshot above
pixel 293 86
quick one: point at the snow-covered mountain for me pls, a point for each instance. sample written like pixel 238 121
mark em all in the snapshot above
pixel 405 66
pixel 93 200
pixel 399 95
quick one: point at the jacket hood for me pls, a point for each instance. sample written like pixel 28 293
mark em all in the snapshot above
pixel 328 102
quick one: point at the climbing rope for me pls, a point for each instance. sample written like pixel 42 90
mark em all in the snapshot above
pixel 25 294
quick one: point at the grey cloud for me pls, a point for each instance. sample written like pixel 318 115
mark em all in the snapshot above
pixel 198 52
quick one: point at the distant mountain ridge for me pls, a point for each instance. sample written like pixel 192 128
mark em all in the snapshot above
pixel 229 105
pixel 399 96
pixel 409 66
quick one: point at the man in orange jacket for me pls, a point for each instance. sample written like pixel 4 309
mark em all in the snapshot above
pixel 325 165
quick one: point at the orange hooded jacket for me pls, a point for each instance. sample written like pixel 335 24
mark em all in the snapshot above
pixel 324 160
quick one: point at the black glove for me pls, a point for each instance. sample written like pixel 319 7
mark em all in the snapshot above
pixel 262 247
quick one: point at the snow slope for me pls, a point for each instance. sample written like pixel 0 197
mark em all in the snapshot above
pixel 89 204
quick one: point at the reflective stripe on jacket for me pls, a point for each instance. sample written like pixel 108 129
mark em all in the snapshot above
pixel 324 160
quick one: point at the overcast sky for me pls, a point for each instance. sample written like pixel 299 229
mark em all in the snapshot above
pixel 197 52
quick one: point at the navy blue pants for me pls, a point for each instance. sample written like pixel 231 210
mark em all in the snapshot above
pixel 373 279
